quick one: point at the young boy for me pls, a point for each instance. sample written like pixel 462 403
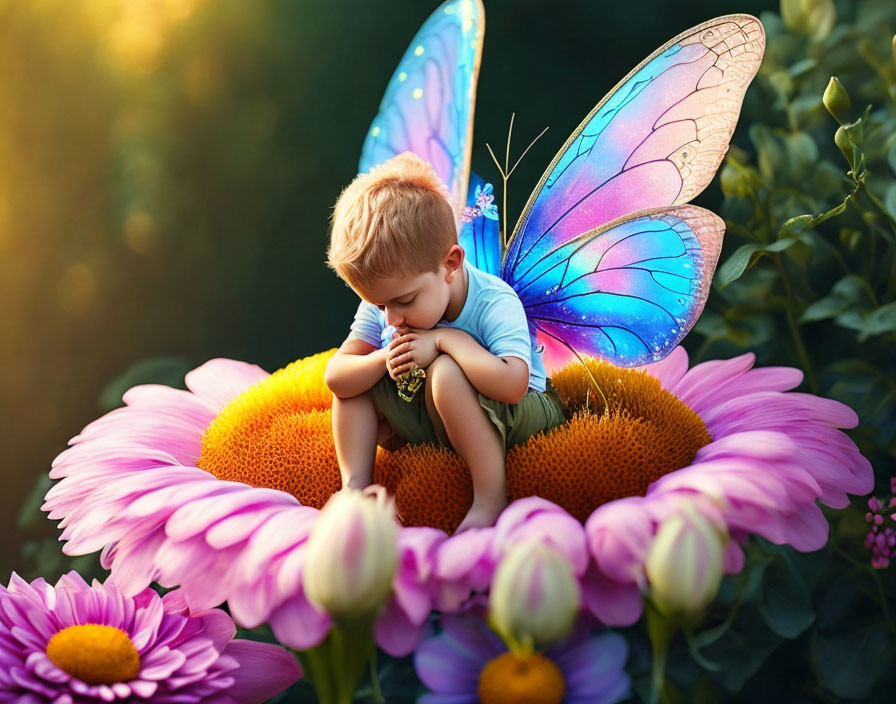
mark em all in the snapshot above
pixel 394 242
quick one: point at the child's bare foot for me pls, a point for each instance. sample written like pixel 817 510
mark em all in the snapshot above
pixel 482 514
pixel 355 483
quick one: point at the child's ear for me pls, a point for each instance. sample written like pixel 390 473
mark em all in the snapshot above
pixel 453 261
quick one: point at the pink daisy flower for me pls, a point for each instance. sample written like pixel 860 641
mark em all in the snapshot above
pixel 75 642
pixel 132 485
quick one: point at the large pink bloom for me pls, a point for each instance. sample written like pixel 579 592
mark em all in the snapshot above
pixel 130 485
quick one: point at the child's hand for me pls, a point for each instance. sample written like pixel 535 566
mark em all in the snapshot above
pixel 412 347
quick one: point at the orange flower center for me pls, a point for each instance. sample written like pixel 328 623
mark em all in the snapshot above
pixel 95 654
pixel 278 434
pixel 599 455
pixel 513 678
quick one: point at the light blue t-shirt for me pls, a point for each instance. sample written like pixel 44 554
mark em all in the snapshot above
pixel 492 315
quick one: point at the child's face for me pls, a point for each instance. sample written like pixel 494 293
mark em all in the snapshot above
pixel 419 300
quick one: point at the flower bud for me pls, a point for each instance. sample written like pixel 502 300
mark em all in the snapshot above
pixel 534 596
pixel 352 555
pixel 842 140
pixel 836 100
pixel 684 563
pixel 813 18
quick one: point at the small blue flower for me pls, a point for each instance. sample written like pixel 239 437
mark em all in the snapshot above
pixel 485 200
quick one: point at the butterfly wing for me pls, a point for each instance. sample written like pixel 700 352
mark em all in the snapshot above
pixel 655 140
pixel 428 105
pixel 628 291
pixel 480 233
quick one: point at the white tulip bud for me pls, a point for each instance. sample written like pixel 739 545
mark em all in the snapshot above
pixel 684 563
pixel 534 596
pixel 352 555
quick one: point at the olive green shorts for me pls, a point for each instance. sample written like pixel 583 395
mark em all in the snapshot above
pixel 515 422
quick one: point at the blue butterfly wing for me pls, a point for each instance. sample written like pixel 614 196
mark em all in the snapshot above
pixel 654 141
pixel 429 102
pixel 626 292
pixel 480 233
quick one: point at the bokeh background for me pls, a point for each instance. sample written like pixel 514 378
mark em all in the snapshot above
pixel 167 169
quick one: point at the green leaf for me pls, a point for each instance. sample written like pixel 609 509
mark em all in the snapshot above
pixel 891 156
pixel 851 287
pixel 30 514
pixel 784 599
pixel 882 320
pixel 844 296
pixel 737 263
pixel 742 650
pixel 890 200
pixel 824 308
pixel 850 665
pixel 792 225
pixel 169 371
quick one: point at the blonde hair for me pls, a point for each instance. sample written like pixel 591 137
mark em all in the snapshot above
pixel 394 221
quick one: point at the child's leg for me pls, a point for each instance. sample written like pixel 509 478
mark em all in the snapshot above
pixel 355 429
pixel 453 405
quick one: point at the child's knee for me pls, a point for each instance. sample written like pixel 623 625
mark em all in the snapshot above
pixel 444 374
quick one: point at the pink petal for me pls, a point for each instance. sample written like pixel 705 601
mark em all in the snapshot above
pixel 265 670
pixel 219 381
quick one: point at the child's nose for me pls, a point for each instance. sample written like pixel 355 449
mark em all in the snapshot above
pixel 393 318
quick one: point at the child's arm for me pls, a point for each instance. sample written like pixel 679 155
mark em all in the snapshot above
pixel 355 368
pixel 501 378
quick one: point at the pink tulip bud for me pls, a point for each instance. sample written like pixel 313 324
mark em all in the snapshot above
pixel 684 563
pixel 352 555
pixel 534 596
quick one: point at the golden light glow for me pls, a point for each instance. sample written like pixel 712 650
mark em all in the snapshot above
pixel 77 288
pixel 137 31
pixel 95 654
pixel 139 232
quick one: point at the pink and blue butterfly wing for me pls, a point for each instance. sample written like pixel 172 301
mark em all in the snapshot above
pixel 655 140
pixel 480 232
pixel 626 292
pixel 429 102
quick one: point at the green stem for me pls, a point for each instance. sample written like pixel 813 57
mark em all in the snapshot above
pixel 883 600
pixel 335 667
pixel 661 631
pixel 377 692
